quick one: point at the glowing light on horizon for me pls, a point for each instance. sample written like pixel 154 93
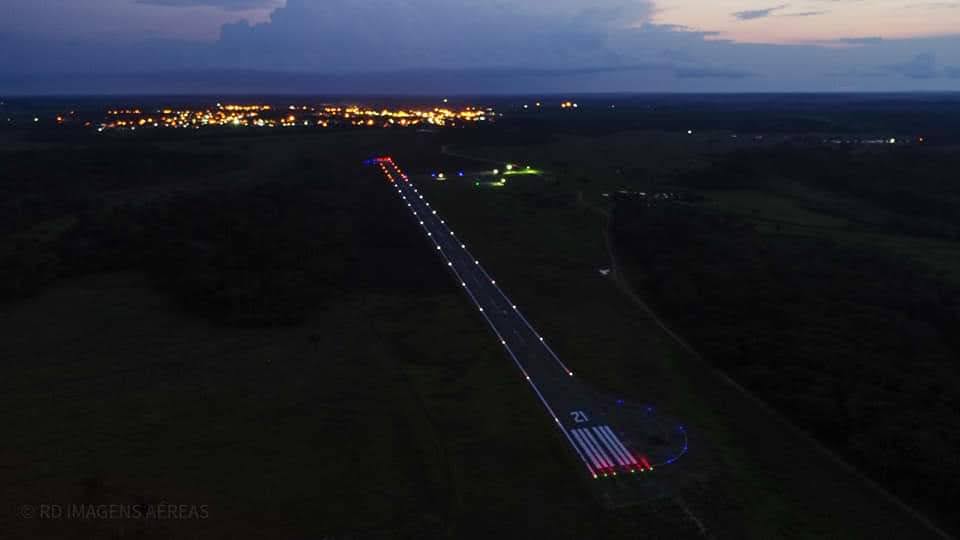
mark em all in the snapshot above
pixel 259 115
pixel 809 21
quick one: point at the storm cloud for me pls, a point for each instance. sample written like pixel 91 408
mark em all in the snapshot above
pixel 460 45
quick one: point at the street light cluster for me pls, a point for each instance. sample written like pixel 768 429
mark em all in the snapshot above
pixel 261 115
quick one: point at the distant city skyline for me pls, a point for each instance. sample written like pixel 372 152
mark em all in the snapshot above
pixel 561 45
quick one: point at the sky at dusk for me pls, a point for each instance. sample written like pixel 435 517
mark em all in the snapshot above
pixel 440 46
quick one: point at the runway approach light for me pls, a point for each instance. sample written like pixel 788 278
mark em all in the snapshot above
pixel 689 132
pixel 509 167
pixel 441 176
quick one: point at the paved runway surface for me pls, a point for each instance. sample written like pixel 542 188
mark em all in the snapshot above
pixel 603 450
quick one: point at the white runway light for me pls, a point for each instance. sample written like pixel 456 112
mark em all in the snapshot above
pixel 596 447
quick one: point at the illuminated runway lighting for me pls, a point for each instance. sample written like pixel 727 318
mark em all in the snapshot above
pixel 464 284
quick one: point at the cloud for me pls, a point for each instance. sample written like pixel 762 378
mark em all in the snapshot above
pixel 805 14
pixel 386 34
pixel 751 14
pixel 462 46
pixel 711 73
pixel 857 41
pixel 935 5
pixel 921 66
pixel 230 5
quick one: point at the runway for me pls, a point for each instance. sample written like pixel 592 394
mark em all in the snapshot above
pixel 602 449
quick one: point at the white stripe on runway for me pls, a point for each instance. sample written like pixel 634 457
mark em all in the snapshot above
pixel 621 458
pixel 585 433
pixel 594 440
pixel 616 440
pixel 586 448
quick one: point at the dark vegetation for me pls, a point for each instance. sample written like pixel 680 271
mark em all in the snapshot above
pixel 854 344
pixel 931 116
pixel 271 336
pixel 280 250
pixel 913 185
pixel 251 253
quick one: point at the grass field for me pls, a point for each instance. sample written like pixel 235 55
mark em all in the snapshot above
pixel 384 416
pixel 755 476
pixel 390 411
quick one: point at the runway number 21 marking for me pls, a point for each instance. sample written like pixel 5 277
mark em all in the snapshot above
pixel 579 417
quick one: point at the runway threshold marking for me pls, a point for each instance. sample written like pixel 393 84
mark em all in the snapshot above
pixel 452 267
